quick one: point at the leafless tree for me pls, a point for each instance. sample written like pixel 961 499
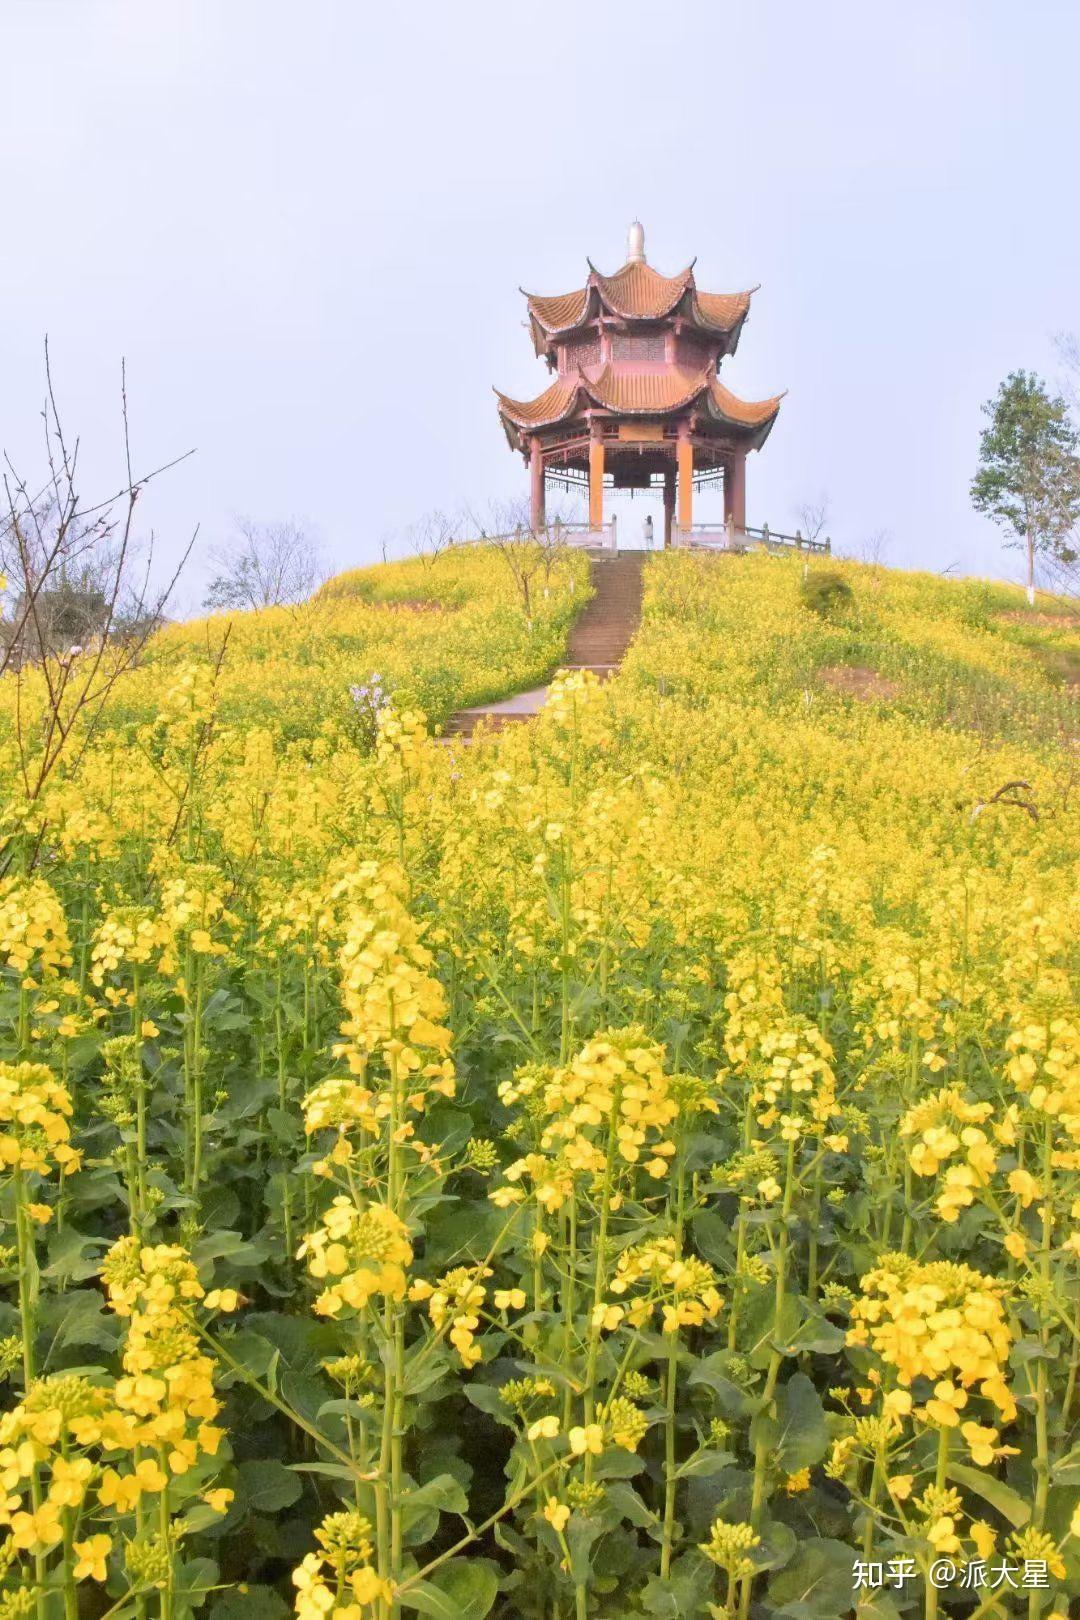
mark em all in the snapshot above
pixel 78 609
pixel 433 534
pixel 265 565
pixel 875 548
pixel 812 516
pixel 530 555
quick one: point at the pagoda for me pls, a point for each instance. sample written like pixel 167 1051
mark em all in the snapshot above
pixel 637 394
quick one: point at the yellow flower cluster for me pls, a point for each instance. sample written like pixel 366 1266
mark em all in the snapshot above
pixel 392 999
pixel 798 1075
pixel 339 1582
pixel 73 1446
pixel 949 1126
pixel 35 1108
pixel 131 934
pixel 656 1273
pixel 612 1098
pixel 192 906
pixel 457 1298
pixel 365 1250
pixel 939 1321
pixel 34 940
pixel 167 1392
pixel 1045 1068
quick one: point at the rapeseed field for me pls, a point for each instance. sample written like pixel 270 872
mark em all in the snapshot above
pixel 628 1165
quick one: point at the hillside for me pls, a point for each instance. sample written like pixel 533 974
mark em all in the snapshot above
pixel 624 1165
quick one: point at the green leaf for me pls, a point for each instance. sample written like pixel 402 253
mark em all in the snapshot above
pixel 1000 1496
pixel 712 1372
pixel 463 1589
pixel 443 1492
pixel 487 1399
pixel 803 1435
pixel 877 1606
pixel 1067 1471
pixel 78 1318
pixel 704 1463
pixel 581 1532
pixel 819 1581
pixel 815 1333
pixel 196 1579
pixel 618 1464
pixel 253 1603
pixel 629 1506
pixel 423 1369
pixel 713 1236
pixel 684 1592
pixel 267 1485
pixel 347 1409
pixel 327 1470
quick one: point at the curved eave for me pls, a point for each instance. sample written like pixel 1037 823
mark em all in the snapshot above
pixel 637 394
pixel 752 418
pixel 521 417
pixel 669 291
pixel 558 316
pixel 723 314
pixel 563 312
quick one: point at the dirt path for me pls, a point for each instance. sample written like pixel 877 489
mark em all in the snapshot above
pixel 598 640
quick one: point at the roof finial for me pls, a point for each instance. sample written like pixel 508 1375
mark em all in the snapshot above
pixel 635 245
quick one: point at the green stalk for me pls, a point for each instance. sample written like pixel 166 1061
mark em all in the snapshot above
pixel 165 1532
pixel 940 1476
pixel 197 1077
pixel 671 1389
pixel 286 1191
pixel 67 1519
pixel 1042 1424
pixel 761 1449
pixel 28 1296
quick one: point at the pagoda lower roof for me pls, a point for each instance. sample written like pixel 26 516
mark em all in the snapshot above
pixel 639 394
pixel 637 292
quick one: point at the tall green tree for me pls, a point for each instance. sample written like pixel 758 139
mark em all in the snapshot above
pixel 1028 479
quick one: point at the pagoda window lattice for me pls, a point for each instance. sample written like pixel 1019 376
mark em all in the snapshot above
pixel 647 346
pixel 585 352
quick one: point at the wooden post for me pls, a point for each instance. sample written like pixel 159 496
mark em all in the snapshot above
pixel 536 473
pixel 735 489
pixel 596 478
pixel 686 477
pixel 669 504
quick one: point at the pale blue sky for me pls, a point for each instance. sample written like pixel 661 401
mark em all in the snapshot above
pixel 305 226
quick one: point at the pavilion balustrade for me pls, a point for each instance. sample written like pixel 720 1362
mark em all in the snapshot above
pixel 727 537
pixel 588 536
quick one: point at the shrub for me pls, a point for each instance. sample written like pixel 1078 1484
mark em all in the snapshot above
pixel 826 593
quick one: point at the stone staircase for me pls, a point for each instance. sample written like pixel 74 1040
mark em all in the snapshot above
pixel 606 627
pixel 598 641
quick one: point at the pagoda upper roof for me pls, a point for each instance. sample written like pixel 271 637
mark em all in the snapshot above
pixel 640 393
pixel 637 292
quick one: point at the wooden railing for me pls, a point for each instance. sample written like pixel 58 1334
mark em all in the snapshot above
pixel 726 537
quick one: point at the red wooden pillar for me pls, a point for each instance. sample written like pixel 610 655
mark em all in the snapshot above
pixel 735 489
pixel 669 503
pixel 536 474
pixel 596 477
pixel 686 477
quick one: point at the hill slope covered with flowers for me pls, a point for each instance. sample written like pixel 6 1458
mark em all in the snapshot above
pixel 629 1165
